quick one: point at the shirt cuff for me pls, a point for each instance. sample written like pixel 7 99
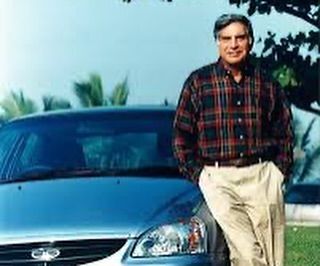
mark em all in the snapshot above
pixel 191 171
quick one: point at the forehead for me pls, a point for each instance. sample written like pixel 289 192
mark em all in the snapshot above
pixel 234 28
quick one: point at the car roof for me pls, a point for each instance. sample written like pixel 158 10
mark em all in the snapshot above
pixel 96 111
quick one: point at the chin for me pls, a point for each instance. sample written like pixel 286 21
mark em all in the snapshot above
pixel 234 60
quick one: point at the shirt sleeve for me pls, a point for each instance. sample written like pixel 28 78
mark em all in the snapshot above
pixel 185 133
pixel 282 132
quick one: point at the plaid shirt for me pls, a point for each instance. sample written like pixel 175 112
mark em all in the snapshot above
pixel 220 119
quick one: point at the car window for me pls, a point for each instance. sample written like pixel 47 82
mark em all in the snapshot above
pixel 125 150
pixel 26 153
pixel 86 144
pixel 6 152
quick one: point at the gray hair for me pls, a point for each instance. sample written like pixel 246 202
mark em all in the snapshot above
pixel 226 19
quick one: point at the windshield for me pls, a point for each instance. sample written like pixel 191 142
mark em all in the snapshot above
pixel 102 143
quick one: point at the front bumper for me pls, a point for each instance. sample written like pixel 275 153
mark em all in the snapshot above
pixel 123 258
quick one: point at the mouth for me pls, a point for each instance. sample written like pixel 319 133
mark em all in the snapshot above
pixel 234 54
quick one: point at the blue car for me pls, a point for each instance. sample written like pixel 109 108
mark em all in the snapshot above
pixel 98 187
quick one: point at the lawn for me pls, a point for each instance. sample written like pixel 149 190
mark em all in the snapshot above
pixel 302 246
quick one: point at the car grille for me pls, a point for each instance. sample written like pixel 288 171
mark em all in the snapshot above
pixel 71 252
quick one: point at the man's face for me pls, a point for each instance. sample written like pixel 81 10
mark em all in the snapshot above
pixel 234 43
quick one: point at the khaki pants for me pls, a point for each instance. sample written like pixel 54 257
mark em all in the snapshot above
pixel 247 203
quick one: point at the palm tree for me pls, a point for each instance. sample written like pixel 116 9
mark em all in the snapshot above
pixel 91 93
pixel 15 104
pixel 53 103
pixel 120 93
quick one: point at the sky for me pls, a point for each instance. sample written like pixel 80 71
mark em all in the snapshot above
pixel 47 45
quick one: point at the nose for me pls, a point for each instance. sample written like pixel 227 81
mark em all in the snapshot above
pixel 234 42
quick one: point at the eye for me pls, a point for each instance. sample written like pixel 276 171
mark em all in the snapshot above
pixel 225 38
pixel 241 38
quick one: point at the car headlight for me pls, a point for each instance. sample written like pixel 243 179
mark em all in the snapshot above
pixel 184 237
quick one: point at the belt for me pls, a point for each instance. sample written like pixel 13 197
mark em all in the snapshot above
pixel 239 162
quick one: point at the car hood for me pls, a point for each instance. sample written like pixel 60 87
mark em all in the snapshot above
pixel 103 206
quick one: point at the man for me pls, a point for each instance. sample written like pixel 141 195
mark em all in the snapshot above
pixel 232 137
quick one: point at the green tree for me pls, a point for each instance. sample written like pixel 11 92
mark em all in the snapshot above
pixel 91 93
pixel 308 10
pixel 16 104
pixel 53 103
pixel 120 93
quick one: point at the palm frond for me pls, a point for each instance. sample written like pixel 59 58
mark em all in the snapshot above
pixel 90 93
pixel 54 103
pixel 120 93
pixel 96 90
pixel 82 91
pixel 15 104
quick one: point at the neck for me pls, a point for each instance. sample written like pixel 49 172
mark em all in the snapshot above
pixel 236 70
pixel 236 73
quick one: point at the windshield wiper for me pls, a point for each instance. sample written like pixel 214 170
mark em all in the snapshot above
pixel 45 172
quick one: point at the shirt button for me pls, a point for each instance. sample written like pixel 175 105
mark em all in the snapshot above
pixel 241 154
pixel 238 103
pixel 241 136
pixel 239 120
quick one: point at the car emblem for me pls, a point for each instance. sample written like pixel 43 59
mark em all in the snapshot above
pixel 45 254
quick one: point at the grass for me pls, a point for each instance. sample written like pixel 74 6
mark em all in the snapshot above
pixel 302 246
